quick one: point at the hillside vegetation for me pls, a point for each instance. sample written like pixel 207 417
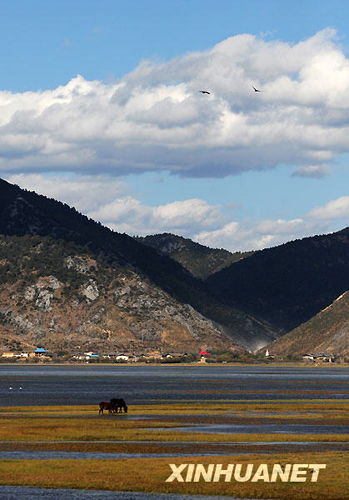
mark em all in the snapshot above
pixel 289 284
pixel 199 260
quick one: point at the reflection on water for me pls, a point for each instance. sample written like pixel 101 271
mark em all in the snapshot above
pixel 26 493
pixel 45 385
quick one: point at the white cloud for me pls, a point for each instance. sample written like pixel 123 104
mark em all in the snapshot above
pixel 256 235
pixel 335 209
pixel 154 118
pixel 85 193
pixel 189 210
pixel 181 217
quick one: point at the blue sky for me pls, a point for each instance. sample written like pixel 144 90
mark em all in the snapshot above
pixel 45 44
pixel 100 108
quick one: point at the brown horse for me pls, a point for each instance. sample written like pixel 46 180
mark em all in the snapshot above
pixel 107 406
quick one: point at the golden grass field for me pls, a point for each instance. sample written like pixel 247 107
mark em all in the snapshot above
pixel 81 429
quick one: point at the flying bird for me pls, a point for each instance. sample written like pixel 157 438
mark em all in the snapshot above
pixel 204 92
pixel 254 88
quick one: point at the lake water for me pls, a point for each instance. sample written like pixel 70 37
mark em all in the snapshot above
pixel 25 493
pixel 56 385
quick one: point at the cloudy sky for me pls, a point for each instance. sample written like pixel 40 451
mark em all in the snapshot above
pixel 100 107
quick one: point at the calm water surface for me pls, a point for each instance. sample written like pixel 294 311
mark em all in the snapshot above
pixel 51 385
pixel 26 493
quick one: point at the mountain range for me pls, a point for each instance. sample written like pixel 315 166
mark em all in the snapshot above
pixel 67 282
pixel 147 301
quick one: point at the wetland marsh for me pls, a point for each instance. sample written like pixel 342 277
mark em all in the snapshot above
pixel 51 435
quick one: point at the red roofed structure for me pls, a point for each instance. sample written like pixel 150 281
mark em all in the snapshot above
pixel 204 353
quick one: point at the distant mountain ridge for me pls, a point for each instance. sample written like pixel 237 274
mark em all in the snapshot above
pixel 288 284
pixel 199 260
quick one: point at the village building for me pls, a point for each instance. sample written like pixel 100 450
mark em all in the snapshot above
pixel 40 351
pixel 14 354
pixel 324 357
pixel 204 355
pixel 10 354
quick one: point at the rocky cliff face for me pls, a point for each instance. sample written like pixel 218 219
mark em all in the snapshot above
pixel 25 214
pixel 60 296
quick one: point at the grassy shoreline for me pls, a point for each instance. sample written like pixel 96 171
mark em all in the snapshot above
pixel 150 474
pixel 79 428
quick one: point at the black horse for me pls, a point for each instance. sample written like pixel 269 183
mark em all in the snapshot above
pixel 119 404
